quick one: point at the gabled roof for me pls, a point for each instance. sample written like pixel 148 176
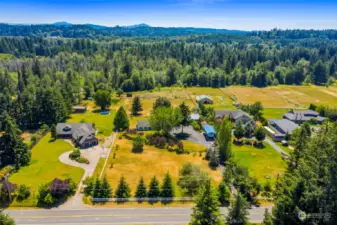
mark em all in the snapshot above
pixel 143 123
pixel 306 115
pixel 283 125
pixel 71 128
pixel 233 114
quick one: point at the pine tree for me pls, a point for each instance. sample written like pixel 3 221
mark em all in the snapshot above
pixel 206 210
pixel 141 189
pixel 97 193
pixel 238 211
pixel 12 149
pixel 123 189
pixel 224 193
pixel 121 120
pixel 268 219
pixel 167 190
pixel 224 140
pixel 154 190
pixel 136 106
pixel 106 189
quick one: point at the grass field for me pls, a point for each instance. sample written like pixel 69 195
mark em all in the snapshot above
pixel 284 148
pixel 264 164
pixel 152 162
pixel 284 96
pixel 104 123
pixel 44 167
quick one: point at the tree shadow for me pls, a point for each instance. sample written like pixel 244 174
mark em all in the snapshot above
pixel 182 136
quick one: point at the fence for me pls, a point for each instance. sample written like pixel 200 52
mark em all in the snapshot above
pixel 180 199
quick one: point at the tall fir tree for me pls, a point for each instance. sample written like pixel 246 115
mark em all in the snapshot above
pixel 167 190
pixel 12 149
pixel 121 120
pixel 123 189
pixel 141 191
pixel 206 210
pixel 154 190
pixel 106 189
pixel 238 212
pixel 97 192
pixel 136 106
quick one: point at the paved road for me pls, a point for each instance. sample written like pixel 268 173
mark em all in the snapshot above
pixel 173 215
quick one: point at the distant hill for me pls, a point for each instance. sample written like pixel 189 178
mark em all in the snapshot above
pixel 65 29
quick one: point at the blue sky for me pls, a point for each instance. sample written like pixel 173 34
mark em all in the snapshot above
pixel 228 14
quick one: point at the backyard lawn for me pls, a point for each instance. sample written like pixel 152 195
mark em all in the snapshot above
pixel 274 113
pixel 104 123
pixel 152 162
pixel 44 167
pixel 264 164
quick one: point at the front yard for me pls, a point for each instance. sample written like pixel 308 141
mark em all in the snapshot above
pixel 264 164
pixel 153 162
pixel 44 167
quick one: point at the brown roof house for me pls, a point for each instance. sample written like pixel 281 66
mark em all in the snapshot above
pixel 82 134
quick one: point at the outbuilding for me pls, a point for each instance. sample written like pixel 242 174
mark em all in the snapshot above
pixel 209 131
pixel 143 125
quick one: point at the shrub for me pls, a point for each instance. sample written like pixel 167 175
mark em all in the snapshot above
pixel 138 144
pixel 82 160
pixel 75 154
pixel 23 192
pixel 196 125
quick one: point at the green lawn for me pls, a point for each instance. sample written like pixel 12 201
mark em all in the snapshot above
pixel 264 164
pixel 104 123
pixel 284 148
pixel 44 167
pixel 274 113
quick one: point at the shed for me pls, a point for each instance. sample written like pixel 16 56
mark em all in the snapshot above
pixel 209 131
pixel 143 125
pixel 79 109
pixel 204 99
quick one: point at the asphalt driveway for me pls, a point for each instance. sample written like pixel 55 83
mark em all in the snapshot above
pixel 192 136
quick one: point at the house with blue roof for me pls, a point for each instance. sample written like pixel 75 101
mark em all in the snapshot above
pixel 209 131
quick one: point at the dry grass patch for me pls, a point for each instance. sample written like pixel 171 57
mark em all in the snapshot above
pixel 152 162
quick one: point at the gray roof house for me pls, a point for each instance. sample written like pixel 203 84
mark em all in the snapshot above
pixel 143 125
pixel 302 116
pixel 204 99
pixel 278 129
pixel 234 115
pixel 83 134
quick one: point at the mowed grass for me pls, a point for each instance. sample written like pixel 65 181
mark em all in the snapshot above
pixel 152 162
pixel 44 167
pixel 104 123
pixel 285 96
pixel 264 164
pixel 274 113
